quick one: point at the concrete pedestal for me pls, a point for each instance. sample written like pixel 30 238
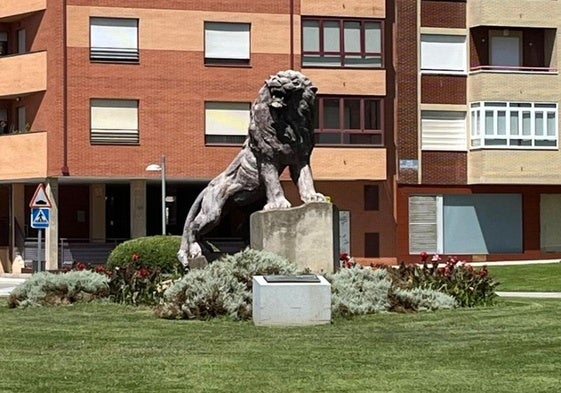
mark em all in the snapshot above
pixel 307 235
pixel 291 303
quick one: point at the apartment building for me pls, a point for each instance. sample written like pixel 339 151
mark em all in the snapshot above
pixel 477 129
pixel 92 92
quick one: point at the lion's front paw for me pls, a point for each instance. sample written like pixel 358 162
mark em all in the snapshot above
pixel 195 250
pixel 314 197
pixel 281 203
pixel 182 256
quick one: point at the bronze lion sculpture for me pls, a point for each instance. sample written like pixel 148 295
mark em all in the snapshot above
pixel 280 135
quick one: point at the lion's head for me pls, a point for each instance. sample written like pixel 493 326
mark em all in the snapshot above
pixel 287 85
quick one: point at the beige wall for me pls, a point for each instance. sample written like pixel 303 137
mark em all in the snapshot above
pixel 535 13
pixel 269 32
pixel 24 156
pixel 23 74
pixel 348 163
pixel 358 8
pixel 514 86
pixel 360 82
pixel 17 7
pixel 494 166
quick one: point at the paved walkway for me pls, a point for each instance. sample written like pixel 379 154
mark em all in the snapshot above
pixel 7 284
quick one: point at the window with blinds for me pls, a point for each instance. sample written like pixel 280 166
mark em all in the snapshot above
pixel 424 214
pixel 114 40
pixel 443 53
pixel 443 130
pixel 227 43
pixel 114 121
pixel 226 122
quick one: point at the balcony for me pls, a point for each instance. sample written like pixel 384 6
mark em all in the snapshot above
pixel 526 13
pixel 517 86
pixel 349 163
pixel 23 74
pixel 23 156
pixel 20 7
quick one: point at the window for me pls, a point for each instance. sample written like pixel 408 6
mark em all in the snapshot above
pixel 349 121
pixel 372 245
pixel 513 125
pixel 22 125
pixel 443 54
pixel 227 43
pixel 342 43
pixel 114 40
pixel 371 197
pixel 443 130
pixel 22 45
pixel 3 43
pixel 465 224
pixel 505 48
pixel 226 122
pixel 114 121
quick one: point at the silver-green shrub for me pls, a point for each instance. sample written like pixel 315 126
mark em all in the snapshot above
pixel 53 289
pixel 359 291
pixel 222 288
pixel 424 299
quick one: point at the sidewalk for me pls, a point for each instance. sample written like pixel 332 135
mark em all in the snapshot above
pixel 7 284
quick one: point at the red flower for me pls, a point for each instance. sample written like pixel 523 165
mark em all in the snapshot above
pixel 99 269
pixel 81 266
pixel 135 257
pixel 483 272
pixel 344 257
pixel 143 272
pixel 424 256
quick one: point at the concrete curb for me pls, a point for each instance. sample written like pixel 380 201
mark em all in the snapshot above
pixel 531 295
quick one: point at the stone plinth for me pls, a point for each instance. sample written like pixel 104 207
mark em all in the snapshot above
pixel 291 303
pixel 307 235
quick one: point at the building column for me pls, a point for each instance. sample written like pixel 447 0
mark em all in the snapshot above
pixel 97 213
pixel 51 233
pixel 18 226
pixel 138 208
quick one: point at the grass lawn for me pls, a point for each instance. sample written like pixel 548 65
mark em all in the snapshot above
pixel 533 278
pixel 513 347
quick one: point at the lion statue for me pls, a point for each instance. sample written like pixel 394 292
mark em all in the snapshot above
pixel 280 135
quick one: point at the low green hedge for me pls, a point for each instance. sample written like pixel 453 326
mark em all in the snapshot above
pixel 155 252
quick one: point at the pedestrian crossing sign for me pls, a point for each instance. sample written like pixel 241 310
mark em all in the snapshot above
pixel 40 217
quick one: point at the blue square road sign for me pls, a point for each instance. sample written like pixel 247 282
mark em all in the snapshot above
pixel 40 217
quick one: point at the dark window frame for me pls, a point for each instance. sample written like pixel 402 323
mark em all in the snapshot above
pixel 342 53
pixel 346 136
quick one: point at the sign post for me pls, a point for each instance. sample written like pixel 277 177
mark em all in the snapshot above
pixel 40 216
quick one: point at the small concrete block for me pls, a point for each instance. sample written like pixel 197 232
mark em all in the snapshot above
pixel 198 262
pixel 291 303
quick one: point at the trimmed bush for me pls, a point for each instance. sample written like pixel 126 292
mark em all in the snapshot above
pixel 150 252
pixel 222 288
pixel 419 299
pixel 55 289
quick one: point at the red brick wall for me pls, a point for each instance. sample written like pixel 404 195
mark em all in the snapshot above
pixel 406 81
pixel 171 96
pixel 443 89
pixel 265 7
pixel 444 167
pixel 448 14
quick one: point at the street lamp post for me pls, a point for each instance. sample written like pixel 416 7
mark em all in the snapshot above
pixel 162 169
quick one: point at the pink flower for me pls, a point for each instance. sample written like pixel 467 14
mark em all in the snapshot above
pixel 135 257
